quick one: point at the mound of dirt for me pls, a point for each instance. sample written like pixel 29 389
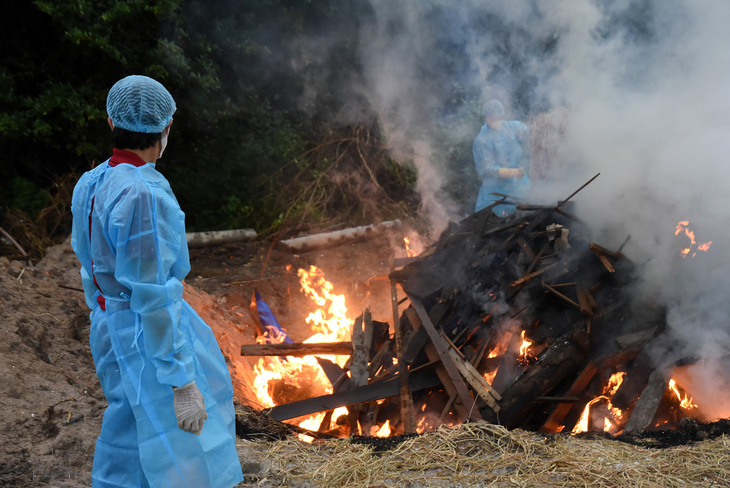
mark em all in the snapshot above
pixel 50 397
pixel 51 400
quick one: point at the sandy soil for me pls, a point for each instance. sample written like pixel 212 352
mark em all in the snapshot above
pixel 50 397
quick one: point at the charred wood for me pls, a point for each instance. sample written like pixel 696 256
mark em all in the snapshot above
pixel 406 400
pixel 560 360
pixel 649 400
pixel 367 393
pixel 555 420
pixel 297 349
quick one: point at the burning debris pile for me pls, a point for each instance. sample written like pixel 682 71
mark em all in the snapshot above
pixel 519 321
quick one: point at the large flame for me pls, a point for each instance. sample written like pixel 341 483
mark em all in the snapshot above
pixel 613 416
pixel 329 323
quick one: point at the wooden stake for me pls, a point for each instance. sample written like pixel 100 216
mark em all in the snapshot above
pixel 651 397
pixel 406 400
pixel 362 333
pixel 563 202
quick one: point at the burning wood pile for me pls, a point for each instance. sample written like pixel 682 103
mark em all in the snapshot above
pixel 519 321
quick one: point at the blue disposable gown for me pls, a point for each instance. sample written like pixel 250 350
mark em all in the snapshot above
pixel 129 235
pixel 494 149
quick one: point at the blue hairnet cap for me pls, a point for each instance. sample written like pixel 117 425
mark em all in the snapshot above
pixel 493 108
pixel 140 104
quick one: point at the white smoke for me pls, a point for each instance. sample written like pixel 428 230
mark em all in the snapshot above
pixel 647 84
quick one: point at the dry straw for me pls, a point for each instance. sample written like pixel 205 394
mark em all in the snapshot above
pixel 481 455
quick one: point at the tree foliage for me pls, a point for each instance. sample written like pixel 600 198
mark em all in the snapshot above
pixel 236 123
pixel 262 87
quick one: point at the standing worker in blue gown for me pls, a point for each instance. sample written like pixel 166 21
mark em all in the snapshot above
pixel 498 158
pixel 170 420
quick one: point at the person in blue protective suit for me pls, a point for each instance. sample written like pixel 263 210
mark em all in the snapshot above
pixel 170 419
pixel 498 158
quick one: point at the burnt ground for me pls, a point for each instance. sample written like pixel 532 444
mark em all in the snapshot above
pixel 50 398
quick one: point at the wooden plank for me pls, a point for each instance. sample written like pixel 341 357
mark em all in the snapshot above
pixel 443 375
pixel 634 383
pixel 443 351
pixel 530 276
pixel 297 349
pixel 646 406
pixel 560 295
pixel 477 382
pixel 379 360
pixel 406 400
pixel 419 337
pixel 362 333
pixel 602 250
pixel 602 255
pixel 526 248
pixel 555 420
pixel 479 353
pixel 361 394
pixel 585 300
pixel 361 339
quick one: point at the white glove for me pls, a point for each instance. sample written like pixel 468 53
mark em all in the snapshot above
pixel 189 408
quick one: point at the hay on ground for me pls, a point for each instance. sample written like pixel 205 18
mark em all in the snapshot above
pixel 481 454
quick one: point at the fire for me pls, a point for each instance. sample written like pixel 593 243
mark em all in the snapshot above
pixel 613 415
pixel 683 226
pixel 497 351
pixel 384 431
pixel 407 244
pixel 329 323
pixel 685 402
pixel 525 357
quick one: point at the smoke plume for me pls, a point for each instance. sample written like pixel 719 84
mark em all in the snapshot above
pixel 645 84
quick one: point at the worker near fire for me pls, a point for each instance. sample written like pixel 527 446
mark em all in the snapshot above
pixel 170 420
pixel 498 158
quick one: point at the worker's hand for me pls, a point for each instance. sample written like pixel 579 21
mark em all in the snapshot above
pixel 189 408
pixel 515 173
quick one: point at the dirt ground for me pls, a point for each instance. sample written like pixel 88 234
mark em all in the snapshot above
pixel 50 397
pixel 52 404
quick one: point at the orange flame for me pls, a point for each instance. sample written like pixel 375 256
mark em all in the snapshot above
pixel 384 431
pixel 683 226
pixel 407 244
pixel 525 347
pixel 614 415
pixel 525 357
pixel 685 402
pixel 496 351
pixel 329 324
